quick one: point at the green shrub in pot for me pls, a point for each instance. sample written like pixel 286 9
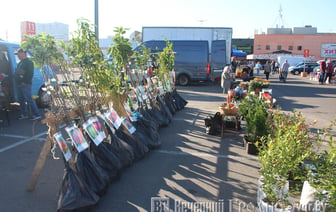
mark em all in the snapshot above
pixel 287 146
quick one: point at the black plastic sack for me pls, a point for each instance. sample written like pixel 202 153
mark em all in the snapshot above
pixel 160 117
pixel 140 137
pixel 164 111
pixel 173 100
pixel 153 137
pixel 139 146
pixel 123 150
pixel 213 124
pixel 91 172
pixel 164 107
pixel 180 102
pixel 75 195
pixel 152 132
pixel 106 159
pixel 140 134
pixel 165 114
pixel 144 112
pixel 169 102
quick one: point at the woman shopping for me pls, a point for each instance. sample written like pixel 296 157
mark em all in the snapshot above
pixel 226 79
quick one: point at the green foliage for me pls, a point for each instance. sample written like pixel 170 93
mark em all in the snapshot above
pixel 325 163
pixel 142 58
pixel 120 51
pixel 166 61
pixel 85 53
pixel 287 147
pixel 43 48
pixel 255 112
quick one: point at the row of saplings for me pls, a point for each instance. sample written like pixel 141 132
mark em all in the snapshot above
pixel 87 178
pixel 102 152
pixel 293 158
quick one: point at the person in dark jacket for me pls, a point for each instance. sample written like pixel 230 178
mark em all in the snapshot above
pixel 329 72
pixel 23 77
pixel 273 67
pixel 234 65
pixel 323 68
pixel 284 71
pixel 267 69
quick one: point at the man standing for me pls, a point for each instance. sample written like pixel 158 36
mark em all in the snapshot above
pixel 251 66
pixel 23 78
pixel 258 67
pixel 330 70
pixel 234 65
pixel 284 71
pixel 267 69
pixel 323 68
pixel 273 67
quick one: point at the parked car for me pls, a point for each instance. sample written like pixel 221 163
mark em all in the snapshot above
pixel 8 63
pixel 307 67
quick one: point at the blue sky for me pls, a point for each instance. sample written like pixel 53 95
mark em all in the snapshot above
pixel 244 16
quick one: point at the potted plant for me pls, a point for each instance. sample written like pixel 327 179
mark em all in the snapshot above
pixel 324 163
pixel 257 84
pixel 166 61
pixel 121 52
pixel 256 115
pixel 287 146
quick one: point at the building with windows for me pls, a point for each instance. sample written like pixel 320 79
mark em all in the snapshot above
pixel 59 31
pixel 297 41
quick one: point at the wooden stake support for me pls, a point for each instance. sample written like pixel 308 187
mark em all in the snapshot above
pixel 39 165
pixel 51 122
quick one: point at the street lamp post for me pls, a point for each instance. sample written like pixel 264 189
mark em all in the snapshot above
pixel 96 20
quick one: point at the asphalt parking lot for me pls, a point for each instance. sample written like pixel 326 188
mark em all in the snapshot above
pixel 190 165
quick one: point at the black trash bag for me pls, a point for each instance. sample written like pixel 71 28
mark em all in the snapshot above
pixel 180 102
pixel 169 102
pixel 92 173
pixel 140 137
pixel 144 112
pixel 157 115
pixel 139 147
pixel 106 159
pixel 166 118
pixel 163 110
pixel 152 132
pixel 213 124
pixel 75 195
pixel 152 135
pixel 173 100
pixel 164 107
pixel 123 150
pixel 140 134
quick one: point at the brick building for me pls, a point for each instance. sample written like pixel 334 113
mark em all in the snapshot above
pixel 295 42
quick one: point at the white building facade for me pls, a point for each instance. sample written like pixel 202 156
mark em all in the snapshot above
pixel 58 30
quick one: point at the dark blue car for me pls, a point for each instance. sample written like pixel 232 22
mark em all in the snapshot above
pixel 307 67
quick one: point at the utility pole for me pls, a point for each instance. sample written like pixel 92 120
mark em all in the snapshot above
pixel 96 20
